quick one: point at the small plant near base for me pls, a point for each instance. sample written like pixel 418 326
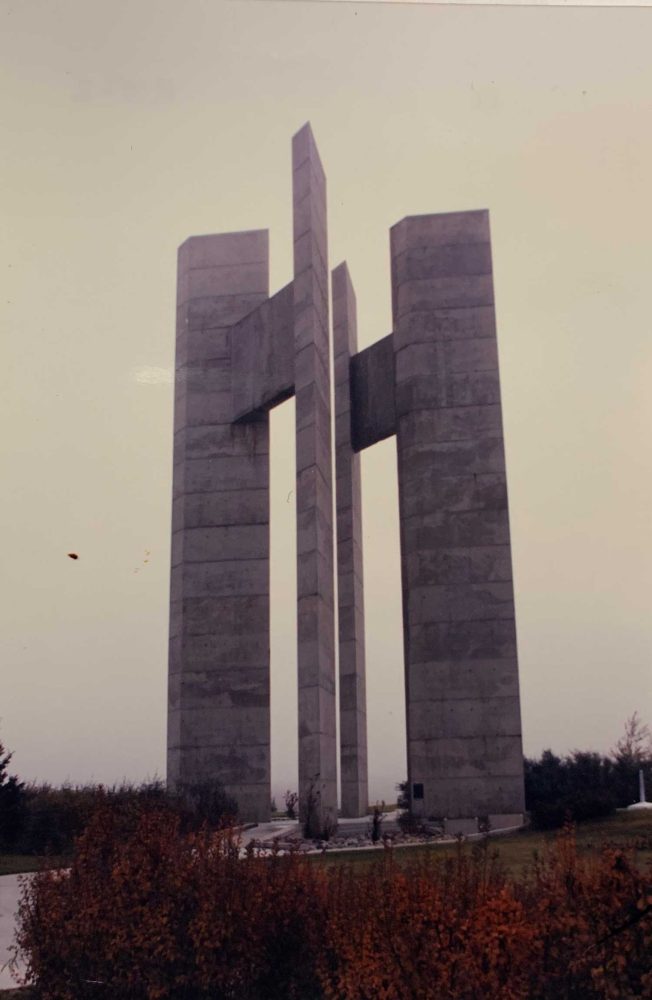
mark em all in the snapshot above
pixel 316 826
pixel 311 826
pixel 484 825
pixel 409 823
pixel 377 818
pixel 403 797
pixel 329 828
pixel 291 803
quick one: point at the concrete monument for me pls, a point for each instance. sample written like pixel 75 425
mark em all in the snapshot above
pixel 433 382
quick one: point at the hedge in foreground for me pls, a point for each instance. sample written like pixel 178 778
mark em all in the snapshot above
pixel 159 914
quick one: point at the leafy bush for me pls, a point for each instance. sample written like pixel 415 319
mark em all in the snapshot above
pixel 158 915
pixel 150 912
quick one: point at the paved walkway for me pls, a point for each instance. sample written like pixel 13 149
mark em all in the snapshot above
pixel 280 828
pixel 9 893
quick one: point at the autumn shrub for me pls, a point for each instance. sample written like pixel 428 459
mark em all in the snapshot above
pixel 149 912
pixel 570 929
pixel 156 913
pixel 594 924
pixel 449 929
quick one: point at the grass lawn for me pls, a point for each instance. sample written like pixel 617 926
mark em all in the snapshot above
pixel 516 851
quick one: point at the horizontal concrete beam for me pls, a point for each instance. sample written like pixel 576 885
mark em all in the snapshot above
pixel 262 356
pixel 373 409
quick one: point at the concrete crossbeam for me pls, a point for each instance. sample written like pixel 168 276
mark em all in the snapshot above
pixel 373 406
pixel 262 356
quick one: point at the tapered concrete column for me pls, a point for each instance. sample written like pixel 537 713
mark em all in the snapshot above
pixel 218 724
pixel 353 706
pixel 463 718
pixel 316 658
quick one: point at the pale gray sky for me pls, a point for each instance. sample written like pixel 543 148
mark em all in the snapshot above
pixel 128 127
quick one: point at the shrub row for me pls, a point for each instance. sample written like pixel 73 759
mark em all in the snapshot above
pixel 582 785
pixel 41 819
pixel 156 914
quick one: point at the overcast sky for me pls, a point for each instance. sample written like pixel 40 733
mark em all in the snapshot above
pixel 128 127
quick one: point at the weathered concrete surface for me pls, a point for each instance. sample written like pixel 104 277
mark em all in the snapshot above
pixel 463 716
pixel 434 382
pixel 316 653
pixel 218 723
pixel 353 703
pixel 372 392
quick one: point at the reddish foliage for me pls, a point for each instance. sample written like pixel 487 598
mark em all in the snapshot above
pixel 157 914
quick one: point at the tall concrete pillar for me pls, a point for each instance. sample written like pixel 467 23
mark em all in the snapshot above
pixel 353 706
pixel 462 697
pixel 218 723
pixel 316 654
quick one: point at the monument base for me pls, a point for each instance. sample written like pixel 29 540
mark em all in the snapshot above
pixel 495 823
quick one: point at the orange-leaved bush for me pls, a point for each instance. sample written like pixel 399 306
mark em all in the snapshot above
pixel 148 912
pixel 152 913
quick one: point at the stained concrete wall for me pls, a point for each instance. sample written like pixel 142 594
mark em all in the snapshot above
pixel 262 356
pixel 352 688
pixel 373 416
pixel 316 653
pixel 463 715
pixel 219 722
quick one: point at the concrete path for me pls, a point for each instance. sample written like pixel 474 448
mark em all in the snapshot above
pixel 280 828
pixel 9 893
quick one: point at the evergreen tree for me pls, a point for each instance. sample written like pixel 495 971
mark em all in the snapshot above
pixel 11 802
